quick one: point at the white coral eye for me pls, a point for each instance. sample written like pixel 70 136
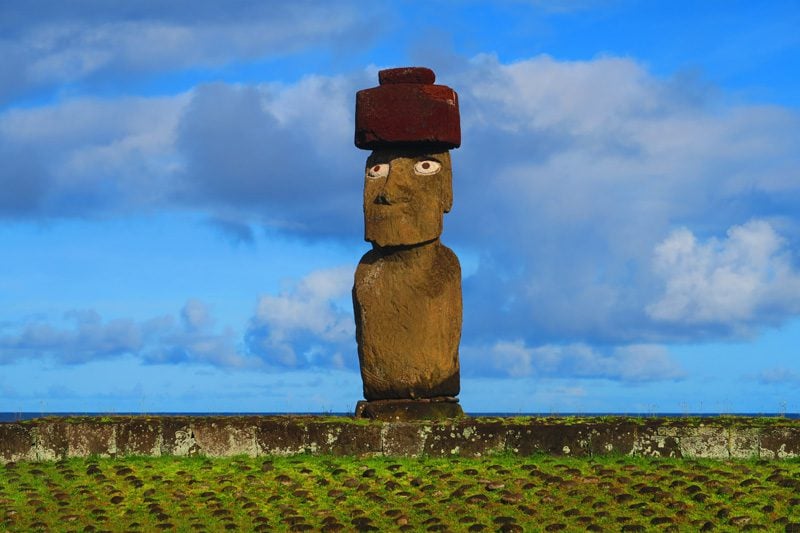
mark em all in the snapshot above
pixel 378 171
pixel 427 166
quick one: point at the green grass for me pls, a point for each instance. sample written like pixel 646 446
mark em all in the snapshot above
pixel 314 493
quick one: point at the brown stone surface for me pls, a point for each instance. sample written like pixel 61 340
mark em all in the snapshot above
pixel 138 437
pixel 177 437
pixel 403 439
pixel 407 290
pixel 279 436
pixel 16 442
pixel 406 75
pixel 656 440
pixel 229 436
pixel 612 437
pixel 85 439
pixel 406 193
pixel 406 108
pixel 540 437
pixel 467 439
pixel 408 322
pixel 53 439
pixel 343 439
pixel 405 410
pixel 780 443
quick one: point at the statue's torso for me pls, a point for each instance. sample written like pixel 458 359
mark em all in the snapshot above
pixel 408 322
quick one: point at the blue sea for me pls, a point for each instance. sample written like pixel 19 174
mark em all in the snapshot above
pixel 15 417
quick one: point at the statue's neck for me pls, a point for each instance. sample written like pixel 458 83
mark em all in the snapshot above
pixel 410 251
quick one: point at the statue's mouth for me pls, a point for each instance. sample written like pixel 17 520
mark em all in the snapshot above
pixel 384 212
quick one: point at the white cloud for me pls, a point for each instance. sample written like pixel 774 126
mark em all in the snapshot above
pixel 49 44
pixel 746 277
pixel 570 175
pixel 86 337
pixel 90 156
pixel 307 325
pixel 196 315
pixel 779 376
pixel 631 363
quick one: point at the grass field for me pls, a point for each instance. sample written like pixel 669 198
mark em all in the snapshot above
pixel 325 493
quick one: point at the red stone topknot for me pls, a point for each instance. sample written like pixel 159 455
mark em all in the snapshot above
pixel 407 109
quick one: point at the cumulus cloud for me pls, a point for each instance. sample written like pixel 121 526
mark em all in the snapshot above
pixel 631 363
pixel 83 336
pixel 747 276
pixel 48 43
pixel 282 156
pixel 779 376
pixel 88 338
pixel 570 175
pixel 310 324
pixel 88 156
pixel 235 231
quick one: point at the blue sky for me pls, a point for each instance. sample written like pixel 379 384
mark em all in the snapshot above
pixel 180 202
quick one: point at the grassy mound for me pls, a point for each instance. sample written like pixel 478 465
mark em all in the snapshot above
pixel 324 493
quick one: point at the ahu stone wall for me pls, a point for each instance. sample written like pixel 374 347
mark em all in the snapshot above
pixel 721 438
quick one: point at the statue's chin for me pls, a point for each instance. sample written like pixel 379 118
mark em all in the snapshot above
pixel 388 234
pixel 382 241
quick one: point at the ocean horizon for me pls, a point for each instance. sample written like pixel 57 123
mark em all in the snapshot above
pixel 20 416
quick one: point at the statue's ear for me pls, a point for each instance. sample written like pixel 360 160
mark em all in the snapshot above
pixel 447 192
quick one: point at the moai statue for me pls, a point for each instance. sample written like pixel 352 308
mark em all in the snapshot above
pixel 407 292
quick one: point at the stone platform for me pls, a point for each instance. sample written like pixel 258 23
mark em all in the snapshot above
pixel 716 437
pixel 443 408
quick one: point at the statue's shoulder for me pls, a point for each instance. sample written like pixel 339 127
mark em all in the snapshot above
pixel 447 259
pixel 370 258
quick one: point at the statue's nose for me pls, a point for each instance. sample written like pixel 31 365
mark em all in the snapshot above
pixel 389 193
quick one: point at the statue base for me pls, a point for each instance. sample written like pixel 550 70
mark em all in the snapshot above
pixel 439 408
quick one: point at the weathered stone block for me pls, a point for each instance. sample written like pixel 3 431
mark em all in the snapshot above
pixel 50 440
pixel 465 439
pixel 408 410
pixel 225 436
pixel 16 443
pixel 343 438
pixel 654 440
pixel 177 437
pixel 139 437
pixel 612 438
pixel 743 443
pixel 780 443
pixel 704 441
pixel 91 438
pixel 277 436
pixel 539 437
pixel 403 439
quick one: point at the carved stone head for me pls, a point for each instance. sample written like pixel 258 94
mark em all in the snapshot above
pixel 406 193
pixel 409 123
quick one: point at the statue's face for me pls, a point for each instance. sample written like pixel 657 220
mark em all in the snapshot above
pixel 406 192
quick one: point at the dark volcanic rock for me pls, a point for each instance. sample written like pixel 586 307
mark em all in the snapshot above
pixel 138 437
pixel 343 438
pixel 540 437
pixel 465 438
pixel 16 442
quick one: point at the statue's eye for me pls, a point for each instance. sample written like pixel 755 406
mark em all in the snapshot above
pixel 427 166
pixel 378 171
